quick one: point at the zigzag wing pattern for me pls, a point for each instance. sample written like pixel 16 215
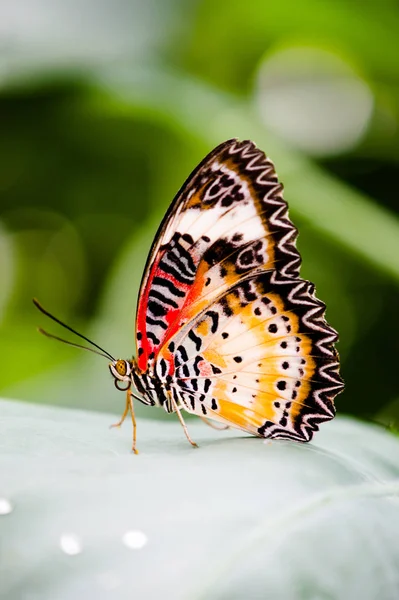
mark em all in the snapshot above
pixel 229 220
pixel 261 358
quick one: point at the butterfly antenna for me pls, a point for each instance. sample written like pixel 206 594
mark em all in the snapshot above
pixel 50 335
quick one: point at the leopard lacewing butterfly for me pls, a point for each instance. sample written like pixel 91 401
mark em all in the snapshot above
pixel 226 328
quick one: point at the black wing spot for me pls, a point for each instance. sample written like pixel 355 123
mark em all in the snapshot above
pixel 207 385
pixel 285 365
pixel 159 296
pixel 157 309
pixel 153 337
pixel 183 353
pixel 273 328
pixel 163 282
pixel 281 385
pixel 226 308
pixel 187 238
pixel 164 367
pixel 196 367
pixel 238 359
pixel 194 338
pixel 215 319
pixel 227 201
pixel 155 322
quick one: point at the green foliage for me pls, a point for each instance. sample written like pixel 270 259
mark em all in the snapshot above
pixel 236 518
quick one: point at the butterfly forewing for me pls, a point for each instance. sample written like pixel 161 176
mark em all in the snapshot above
pixel 223 314
pixel 228 220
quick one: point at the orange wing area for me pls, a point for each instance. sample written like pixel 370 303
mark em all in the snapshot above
pixel 261 358
pixel 229 220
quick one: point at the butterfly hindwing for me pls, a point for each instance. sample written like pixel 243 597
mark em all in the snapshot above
pixel 228 220
pixel 261 358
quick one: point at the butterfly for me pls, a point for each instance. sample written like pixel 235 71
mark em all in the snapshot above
pixel 226 329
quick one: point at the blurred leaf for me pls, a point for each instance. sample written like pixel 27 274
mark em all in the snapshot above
pixel 343 214
pixel 233 47
pixel 7 268
pixel 47 35
pixel 231 519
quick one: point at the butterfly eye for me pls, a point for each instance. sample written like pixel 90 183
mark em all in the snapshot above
pixel 121 370
pixel 121 367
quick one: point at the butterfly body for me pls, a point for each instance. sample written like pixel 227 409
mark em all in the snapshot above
pixel 225 327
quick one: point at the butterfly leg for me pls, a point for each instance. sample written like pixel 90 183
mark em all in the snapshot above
pixel 123 417
pixel 129 402
pixel 213 425
pixel 177 409
pixel 129 406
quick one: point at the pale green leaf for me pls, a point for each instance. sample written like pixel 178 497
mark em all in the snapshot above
pixel 236 518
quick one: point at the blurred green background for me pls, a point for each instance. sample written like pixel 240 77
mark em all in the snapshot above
pixel 105 108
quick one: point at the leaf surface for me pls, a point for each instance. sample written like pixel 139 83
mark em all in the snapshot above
pixel 235 518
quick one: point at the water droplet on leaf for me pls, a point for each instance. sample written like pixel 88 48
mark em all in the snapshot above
pixel 135 539
pixel 5 506
pixel 70 544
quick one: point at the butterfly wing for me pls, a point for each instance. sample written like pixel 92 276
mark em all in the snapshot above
pixel 228 221
pixel 224 319
pixel 261 358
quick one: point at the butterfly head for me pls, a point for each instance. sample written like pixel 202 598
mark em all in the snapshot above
pixel 121 370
